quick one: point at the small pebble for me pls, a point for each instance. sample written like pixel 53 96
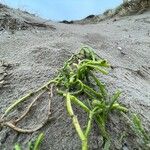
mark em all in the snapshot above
pixel 119 48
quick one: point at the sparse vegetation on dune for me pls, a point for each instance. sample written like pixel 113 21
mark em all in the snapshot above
pixel 132 7
pixel 11 21
pixel 129 8
pixel 126 8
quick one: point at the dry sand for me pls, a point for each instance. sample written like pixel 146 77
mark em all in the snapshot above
pixel 33 56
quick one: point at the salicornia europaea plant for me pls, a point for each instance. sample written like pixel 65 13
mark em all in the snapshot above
pixel 141 132
pixel 76 80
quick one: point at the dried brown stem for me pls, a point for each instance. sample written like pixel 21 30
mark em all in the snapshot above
pixel 29 108
pixel 50 97
pixel 12 126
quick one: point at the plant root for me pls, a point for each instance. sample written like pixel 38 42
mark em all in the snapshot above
pixel 20 130
pixel 29 108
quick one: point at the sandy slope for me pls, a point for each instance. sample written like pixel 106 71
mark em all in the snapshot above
pixel 34 55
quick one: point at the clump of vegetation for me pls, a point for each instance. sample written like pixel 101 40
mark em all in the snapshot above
pixel 76 77
pixel 132 7
pixel 78 83
pixel 33 145
pixel 138 129
pixel 141 132
pixel 107 12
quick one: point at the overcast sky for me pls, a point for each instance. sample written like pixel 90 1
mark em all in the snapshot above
pixel 63 9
